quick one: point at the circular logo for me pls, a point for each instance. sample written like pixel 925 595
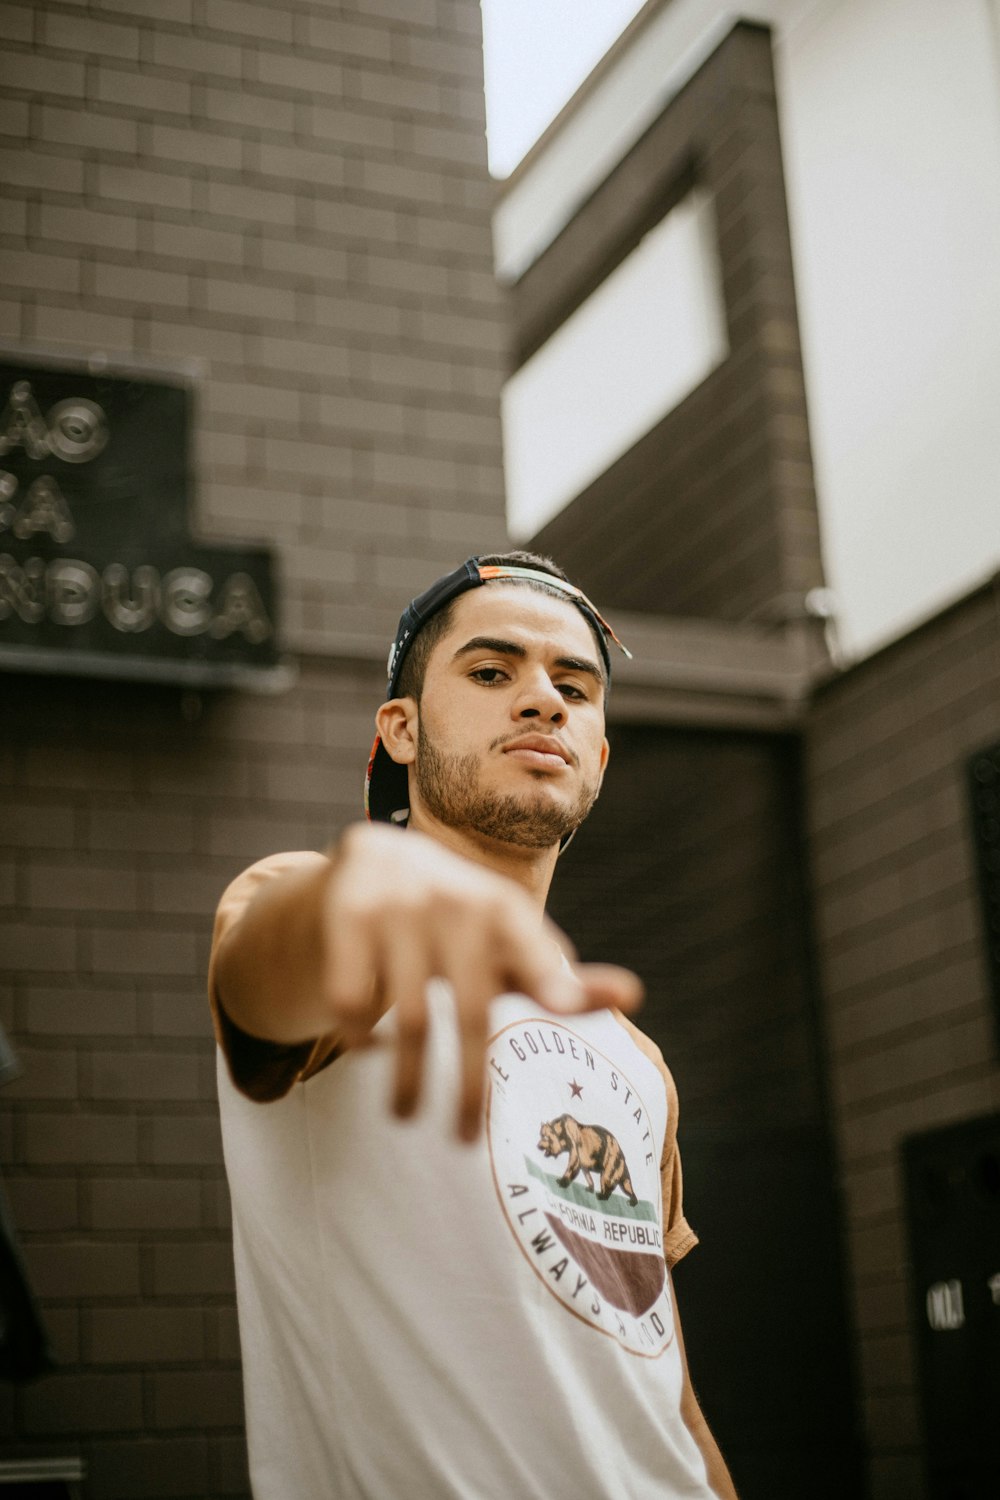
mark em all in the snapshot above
pixel 576 1170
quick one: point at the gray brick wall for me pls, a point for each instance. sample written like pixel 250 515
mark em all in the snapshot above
pixel 299 202
pixel 902 962
pixel 295 199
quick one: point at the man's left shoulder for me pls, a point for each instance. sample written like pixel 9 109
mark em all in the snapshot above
pixel 645 1044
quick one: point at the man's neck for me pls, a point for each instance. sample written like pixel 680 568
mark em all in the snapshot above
pixel 531 869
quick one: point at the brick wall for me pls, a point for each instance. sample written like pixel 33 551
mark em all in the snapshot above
pixel 296 197
pixel 713 512
pixel 902 959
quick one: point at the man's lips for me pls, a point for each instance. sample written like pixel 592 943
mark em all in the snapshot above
pixel 538 750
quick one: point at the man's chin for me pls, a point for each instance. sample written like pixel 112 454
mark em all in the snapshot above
pixel 529 821
pixel 535 811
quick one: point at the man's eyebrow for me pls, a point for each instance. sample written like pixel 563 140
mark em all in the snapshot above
pixel 511 648
pixel 580 664
pixel 490 643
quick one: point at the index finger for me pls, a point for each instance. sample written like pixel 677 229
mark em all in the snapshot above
pixel 541 971
pixel 611 987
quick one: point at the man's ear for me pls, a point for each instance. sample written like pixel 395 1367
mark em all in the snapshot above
pixel 605 754
pixel 397 723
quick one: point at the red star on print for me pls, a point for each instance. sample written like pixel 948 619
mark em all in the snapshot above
pixel 576 1090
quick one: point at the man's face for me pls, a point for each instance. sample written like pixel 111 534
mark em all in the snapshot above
pixel 510 737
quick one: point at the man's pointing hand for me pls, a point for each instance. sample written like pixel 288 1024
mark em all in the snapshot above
pixel 401 909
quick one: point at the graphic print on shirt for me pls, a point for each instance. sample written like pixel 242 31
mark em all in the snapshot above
pixel 577 1173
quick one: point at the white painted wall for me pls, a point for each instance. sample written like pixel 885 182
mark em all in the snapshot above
pixel 891 116
pixel 891 131
pixel 646 337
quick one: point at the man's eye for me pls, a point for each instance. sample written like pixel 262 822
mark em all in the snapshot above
pixel 568 690
pixel 489 676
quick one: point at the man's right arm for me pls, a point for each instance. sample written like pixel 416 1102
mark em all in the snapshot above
pixel 268 949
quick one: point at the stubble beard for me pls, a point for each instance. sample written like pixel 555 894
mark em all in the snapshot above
pixel 451 789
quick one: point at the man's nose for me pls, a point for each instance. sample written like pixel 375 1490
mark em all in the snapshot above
pixel 540 699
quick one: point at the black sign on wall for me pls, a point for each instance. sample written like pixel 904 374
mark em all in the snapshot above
pixel 984 793
pixel 99 573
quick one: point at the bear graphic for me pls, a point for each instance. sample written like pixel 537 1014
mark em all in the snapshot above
pixel 591 1149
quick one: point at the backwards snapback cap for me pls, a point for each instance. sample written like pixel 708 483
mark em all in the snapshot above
pixel 387 795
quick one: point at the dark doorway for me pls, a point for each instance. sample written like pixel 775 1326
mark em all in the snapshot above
pixel 690 871
pixel 953 1212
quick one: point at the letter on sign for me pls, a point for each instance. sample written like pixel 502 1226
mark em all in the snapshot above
pixel 186 607
pixel 74 591
pixel 77 430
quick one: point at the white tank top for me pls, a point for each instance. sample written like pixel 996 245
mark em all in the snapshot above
pixel 426 1320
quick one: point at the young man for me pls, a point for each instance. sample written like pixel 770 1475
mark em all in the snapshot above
pixel 473 1302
